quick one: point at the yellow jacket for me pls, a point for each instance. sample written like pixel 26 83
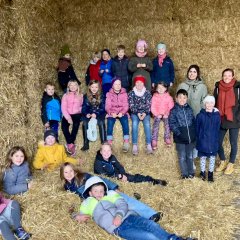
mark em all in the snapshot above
pixel 53 155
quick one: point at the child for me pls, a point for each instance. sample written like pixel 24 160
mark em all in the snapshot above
pixel 93 107
pixel 141 64
pixel 120 67
pixel 207 131
pixel 107 164
pixel 163 69
pixel 117 107
pixel 10 220
pixel 106 71
pixel 74 181
pixel 51 155
pixel 17 176
pixel 161 105
pixel 71 108
pixel 65 69
pixel 109 210
pixel 181 122
pixel 51 108
pixel 140 102
pixel 93 68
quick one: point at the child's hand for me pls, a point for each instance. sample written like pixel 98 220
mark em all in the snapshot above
pixel 70 121
pixel 47 125
pixel 114 115
pixel 106 70
pixel 171 84
pixel 120 115
pixel 124 178
pixel 153 85
pixel 139 115
pixel 143 115
pixel 144 65
pixel 139 65
pixel 82 218
pixel 101 71
pixel 117 221
pixel 30 184
pixel 88 115
pixel 93 115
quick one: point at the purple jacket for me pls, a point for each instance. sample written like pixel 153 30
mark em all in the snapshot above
pixel 117 103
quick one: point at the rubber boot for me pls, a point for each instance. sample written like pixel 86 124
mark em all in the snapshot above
pixel 85 139
pixel 210 177
pixel 102 132
pixel 203 175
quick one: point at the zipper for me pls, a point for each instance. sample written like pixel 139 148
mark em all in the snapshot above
pixel 187 125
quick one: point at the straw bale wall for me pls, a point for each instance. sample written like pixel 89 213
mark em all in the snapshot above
pixel 203 32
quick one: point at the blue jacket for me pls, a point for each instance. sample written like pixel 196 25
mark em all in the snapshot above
pixel 50 108
pixel 182 124
pixel 120 69
pixel 106 76
pixel 164 73
pixel 88 107
pixel 15 180
pixel 207 131
pixel 72 187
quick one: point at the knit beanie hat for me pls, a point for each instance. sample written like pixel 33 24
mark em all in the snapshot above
pixel 49 133
pixel 115 79
pixel 162 45
pixel 208 99
pixel 65 50
pixel 92 130
pixel 141 43
pixel 106 50
pixel 139 78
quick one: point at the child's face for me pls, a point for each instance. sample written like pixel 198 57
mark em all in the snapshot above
pixel 161 51
pixel 18 158
pixel 97 192
pixel 94 88
pixel 192 74
pixel 105 56
pixel 161 89
pixel 68 173
pixel 96 59
pixel 50 90
pixel 181 99
pixel 117 86
pixel 121 53
pixel 50 140
pixel 73 87
pixel 68 56
pixel 139 85
pixel 140 49
pixel 106 152
pixel 227 76
pixel 209 106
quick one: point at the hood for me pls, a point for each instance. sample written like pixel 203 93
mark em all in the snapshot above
pixel 123 90
pixel 91 181
pixel 194 82
pixel 117 59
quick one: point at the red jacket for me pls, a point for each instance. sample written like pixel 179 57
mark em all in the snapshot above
pixel 94 71
pixel 117 103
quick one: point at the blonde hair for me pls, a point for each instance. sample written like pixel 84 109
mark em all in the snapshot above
pixel 73 81
pixel 96 54
pixel 98 94
pixel 105 144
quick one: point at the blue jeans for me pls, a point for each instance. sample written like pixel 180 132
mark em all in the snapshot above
pixel 124 122
pixel 233 138
pixel 139 207
pixel 185 157
pixel 136 227
pixel 146 125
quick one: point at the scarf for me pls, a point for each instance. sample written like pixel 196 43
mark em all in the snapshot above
pixel 226 99
pixel 63 64
pixel 138 93
pixel 161 58
pixel 140 54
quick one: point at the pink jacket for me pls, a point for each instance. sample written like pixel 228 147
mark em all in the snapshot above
pixel 3 203
pixel 117 103
pixel 161 104
pixel 71 104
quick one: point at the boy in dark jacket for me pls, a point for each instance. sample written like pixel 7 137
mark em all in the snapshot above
pixel 181 122
pixel 107 164
pixel 51 108
pixel 120 67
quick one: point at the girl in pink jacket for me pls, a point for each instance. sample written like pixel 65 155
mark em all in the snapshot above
pixel 161 105
pixel 117 108
pixel 71 109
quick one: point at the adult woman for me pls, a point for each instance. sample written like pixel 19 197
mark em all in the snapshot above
pixel 226 93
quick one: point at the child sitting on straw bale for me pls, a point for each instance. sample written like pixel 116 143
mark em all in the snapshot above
pixel 10 220
pixel 65 69
pixel 182 124
pixel 51 108
pixel 107 164
pixel 51 155
pixel 17 176
pixel 141 64
pixel 93 68
pixel 208 123
pixel 110 211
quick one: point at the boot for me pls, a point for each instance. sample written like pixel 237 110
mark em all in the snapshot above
pixel 229 170
pixel 203 175
pixel 85 139
pixel 222 166
pixel 102 133
pixel 210 177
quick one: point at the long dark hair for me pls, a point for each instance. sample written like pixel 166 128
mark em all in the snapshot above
pixel 197 69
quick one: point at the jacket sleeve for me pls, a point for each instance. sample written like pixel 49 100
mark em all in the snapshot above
pixel 119 168
pixel 204 94
pixel 122 207
pixel 87 76
pixel 108 104
pixel 101 108
pixel 131 103
pixel 170 104
pixel 149 65
pixel 125 105
pixel 39 160
pixel 10 186
pixel 72 74
pixel 99 168
pixel 153 72
pixel 44 111
pixel 198 124
pixel 64 107
pixel 171 71
pixel 132 65
pixel 173 124
pixel 147 106
pixel 85 109
pixel 154 106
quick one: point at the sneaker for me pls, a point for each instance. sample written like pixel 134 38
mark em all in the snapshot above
pixel 22 234
pixel 159 182
pixel 149 149
pixel 154 144
pixel 135 149
pixel 168 142
pixel 156 217
pixel 73 150
pixel 125 147
pixel 229 170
